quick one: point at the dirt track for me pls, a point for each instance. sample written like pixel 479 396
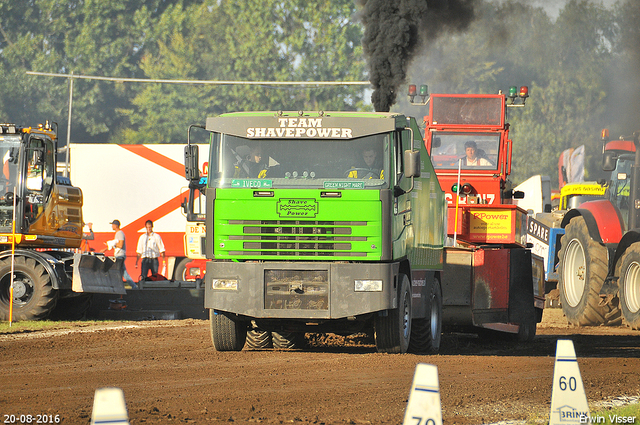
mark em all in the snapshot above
pixel 170 373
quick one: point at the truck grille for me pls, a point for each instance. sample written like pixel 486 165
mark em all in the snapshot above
pixel 296 289
pixel 298 238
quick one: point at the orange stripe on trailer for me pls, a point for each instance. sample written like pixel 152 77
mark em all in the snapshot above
pixel 155 214
pixel 156 158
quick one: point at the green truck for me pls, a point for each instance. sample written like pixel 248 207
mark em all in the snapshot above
pixel 319 222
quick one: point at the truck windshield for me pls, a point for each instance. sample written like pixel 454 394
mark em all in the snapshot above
pixel 9 150
pixel 287 163
pixel 471 150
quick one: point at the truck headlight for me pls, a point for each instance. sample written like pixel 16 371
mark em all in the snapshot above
pixel 226 284
pixel 368 286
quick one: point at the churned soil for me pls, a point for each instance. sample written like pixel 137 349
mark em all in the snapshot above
pixel 170 373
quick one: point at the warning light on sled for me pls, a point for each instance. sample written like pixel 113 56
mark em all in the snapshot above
pixel 514 93
pixel 423 93
pixel 412 92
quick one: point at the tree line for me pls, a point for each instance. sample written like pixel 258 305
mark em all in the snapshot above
pixel 582 67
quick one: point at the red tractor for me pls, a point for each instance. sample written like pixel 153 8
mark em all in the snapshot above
pixel 599 258
pixel 490 278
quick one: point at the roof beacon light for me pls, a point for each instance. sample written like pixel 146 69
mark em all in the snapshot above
pixel 412 92
pixel 424 94
pixel 514 93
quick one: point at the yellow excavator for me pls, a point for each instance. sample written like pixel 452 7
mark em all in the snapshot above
pixel 42 271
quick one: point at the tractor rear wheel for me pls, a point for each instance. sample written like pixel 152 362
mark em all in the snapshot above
pixel 582 270
pixel 393 331
pixel 629 284
pixel 33 295
pixel 227 333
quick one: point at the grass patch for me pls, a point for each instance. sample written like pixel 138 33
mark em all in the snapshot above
pixel 616 415
pixel 605 416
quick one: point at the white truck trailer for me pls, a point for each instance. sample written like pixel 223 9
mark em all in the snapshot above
pixel 135 183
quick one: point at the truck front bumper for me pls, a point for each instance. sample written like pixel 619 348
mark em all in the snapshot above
pixel 312 290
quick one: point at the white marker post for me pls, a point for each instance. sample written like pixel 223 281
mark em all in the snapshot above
pixel 568 400
pixel 109 407
pixel 424 406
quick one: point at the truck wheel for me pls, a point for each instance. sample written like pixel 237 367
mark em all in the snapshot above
pixel 288 340
pixel 227 334
pixel 393 331
pixel 582 270
pixel 73 308
pixel 259 339
pixel 33 293
pixel 181 270
pixel 630 286
pixel 426 333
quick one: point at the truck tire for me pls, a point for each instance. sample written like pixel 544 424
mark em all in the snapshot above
pixel 426 333
pixel 288 340
pixel 33 295
pixel 393 331
pixel 227 334
pixel 629 284
pixel 181 269
pixel 582 270
pixel 259 339
pixel 73 308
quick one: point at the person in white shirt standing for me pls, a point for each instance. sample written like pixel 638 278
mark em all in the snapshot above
pixel 150 248
pixel 119 246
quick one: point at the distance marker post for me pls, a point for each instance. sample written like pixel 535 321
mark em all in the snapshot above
pixel 424 406
pixel 568 400
pixel 109 407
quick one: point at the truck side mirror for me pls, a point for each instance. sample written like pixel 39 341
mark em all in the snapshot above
pixel 609 160
pixel 412 163
pixel 191 162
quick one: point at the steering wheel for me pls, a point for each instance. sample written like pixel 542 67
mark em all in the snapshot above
pixel 358 170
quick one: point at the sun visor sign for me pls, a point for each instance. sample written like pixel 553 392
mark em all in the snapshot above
pixel 262 127
pixel 294 208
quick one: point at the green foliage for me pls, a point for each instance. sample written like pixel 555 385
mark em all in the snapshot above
pixel 186 40
pixel 581 66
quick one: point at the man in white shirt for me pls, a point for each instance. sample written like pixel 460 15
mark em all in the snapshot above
pixel 150 247
pixel 119 246
pixel 471 149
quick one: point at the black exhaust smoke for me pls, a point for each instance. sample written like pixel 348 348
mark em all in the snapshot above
pixel 394 32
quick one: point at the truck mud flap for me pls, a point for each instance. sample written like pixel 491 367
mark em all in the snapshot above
pixel 97 274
